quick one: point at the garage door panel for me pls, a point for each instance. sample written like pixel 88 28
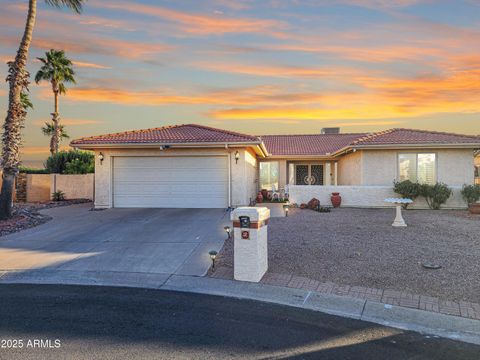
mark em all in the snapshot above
pixel 195 182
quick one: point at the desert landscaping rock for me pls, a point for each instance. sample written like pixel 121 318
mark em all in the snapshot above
pixel 359 247
pixel 26 215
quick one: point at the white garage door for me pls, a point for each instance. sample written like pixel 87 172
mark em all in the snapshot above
pixel 170 182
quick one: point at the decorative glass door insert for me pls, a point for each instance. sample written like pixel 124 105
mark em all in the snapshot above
pixel 311 174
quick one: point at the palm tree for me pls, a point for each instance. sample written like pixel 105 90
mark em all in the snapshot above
pixel 18 82
pixel 49 130
pixel 57 69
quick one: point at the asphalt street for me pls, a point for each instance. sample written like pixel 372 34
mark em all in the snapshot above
pixel 83 322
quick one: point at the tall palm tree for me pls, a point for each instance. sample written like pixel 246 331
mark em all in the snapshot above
pixel 56 69
pixel 49 130
pixel 18 82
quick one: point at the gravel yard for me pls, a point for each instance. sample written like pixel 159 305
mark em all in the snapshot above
pixel 360 247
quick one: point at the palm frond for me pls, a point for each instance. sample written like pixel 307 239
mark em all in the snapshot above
pixel 25 101
pixel 75 5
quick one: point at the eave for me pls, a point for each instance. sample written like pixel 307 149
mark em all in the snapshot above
pixel 258 146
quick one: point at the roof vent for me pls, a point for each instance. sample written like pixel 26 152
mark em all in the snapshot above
pixel 331 130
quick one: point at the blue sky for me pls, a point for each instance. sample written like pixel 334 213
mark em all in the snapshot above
pixel 291 66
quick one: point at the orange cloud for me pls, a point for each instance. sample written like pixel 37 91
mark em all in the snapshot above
pixel 280 71
pixel 265 95
pixel 384 98
pixel 199 24
pixel 69 122
pixel 83 64
pixel 367 54
pixel 134 50
pixel 39 150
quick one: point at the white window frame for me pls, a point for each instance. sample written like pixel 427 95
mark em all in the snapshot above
pixel 416 163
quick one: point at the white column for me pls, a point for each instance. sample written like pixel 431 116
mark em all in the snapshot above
pixel 328 176
pixel 335 174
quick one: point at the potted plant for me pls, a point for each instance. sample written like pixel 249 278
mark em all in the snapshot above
pixel 259 197
pixel 471 195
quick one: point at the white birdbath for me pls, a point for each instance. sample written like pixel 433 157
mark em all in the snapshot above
pixel 398 222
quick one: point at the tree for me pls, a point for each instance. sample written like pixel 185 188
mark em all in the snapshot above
pixel 56 69
pixel 18 80
pixel 49 130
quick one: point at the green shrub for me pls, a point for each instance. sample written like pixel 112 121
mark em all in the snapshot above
pixel 58 196
pixel 435 195
pixel 82 161
pixel 76 166
pixel 27 170
pixel 471 193
pixel 407 189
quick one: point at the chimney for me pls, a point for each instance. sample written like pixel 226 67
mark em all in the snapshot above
pixel 331 130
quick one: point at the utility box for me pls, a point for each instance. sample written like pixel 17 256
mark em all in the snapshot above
pixel 250 233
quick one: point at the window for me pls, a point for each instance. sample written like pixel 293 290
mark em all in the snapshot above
pixel 269 175
pixel 419 167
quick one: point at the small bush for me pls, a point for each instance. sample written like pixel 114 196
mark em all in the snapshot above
pixel 435 195
pixel 76 166
pixel 58 196
pixel 27 170
pixel 407 189
pixel 82 161
pixel 471 193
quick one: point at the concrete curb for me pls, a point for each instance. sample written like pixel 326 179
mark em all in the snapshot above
pixel 448 326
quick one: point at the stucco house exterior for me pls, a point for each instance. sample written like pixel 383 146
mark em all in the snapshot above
pixel 195 166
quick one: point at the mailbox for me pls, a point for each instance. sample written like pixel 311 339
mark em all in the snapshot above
pixel 250 231
pixel 244 222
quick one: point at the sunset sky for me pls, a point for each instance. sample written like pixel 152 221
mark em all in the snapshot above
pixel 260 67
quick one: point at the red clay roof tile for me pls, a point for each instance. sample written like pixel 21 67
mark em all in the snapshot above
pixel 190 133
pixel 279 145
pixel 318 144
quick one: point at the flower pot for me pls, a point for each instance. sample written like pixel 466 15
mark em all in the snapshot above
pixel 264 193
pixel 336 199
pixel 259 197
pixel 474 208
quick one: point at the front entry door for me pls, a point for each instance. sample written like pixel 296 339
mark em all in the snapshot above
pixel 311 174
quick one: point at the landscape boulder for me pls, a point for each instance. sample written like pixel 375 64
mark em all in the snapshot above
pixel 313 204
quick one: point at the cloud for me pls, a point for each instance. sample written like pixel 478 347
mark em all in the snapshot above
pixel 280 71
pixel 89 65
pixel 39 150
pixel 248 96
pixel 200 24
pixel 366 53
pixel 69 122
pixel 381 98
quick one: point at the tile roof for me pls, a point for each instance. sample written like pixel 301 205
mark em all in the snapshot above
pixel 181 134
pixel 318 144
pixel 415 137
pixel 280 145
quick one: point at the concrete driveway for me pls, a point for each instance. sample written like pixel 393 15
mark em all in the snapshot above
pixel 113 241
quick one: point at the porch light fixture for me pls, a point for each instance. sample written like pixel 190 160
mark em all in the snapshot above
pixel 228 231
pixel 237 156
pixel 101 157
pixel 213 256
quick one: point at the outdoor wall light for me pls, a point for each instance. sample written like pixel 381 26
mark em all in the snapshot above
pixel 213 256
pixel 228 231
pixel 101 157
pixel 237 156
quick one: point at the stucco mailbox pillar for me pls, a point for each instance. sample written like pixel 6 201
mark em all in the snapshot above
pixel 250 254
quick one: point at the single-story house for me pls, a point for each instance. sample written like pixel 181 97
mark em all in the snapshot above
pixel 195 166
